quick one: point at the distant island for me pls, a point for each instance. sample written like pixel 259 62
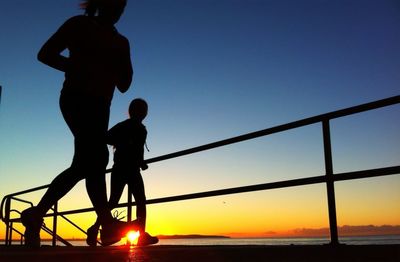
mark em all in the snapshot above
pixel 192 236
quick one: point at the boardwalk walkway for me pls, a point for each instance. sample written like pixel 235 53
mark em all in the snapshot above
pixel 346 253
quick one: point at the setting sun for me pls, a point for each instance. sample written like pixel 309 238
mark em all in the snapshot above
pixel 132 237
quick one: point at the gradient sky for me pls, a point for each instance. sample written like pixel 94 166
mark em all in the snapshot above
pixel 210 70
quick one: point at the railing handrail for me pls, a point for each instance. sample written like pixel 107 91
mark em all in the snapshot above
pixel 327 178
pixel 280 128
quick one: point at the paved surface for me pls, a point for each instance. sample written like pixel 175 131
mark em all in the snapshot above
pixel 165 253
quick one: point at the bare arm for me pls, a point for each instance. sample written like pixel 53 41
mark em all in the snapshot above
pixel 50 53
pixel 125 71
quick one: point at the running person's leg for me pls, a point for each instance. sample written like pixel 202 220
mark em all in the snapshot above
pixel 32 218
pixel 88 121
pixel 117 187
pixel 137 187
pixel 118 182
pixel 93 160
pixel 135 182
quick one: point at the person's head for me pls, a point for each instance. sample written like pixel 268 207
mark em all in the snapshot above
pixel 109 10
pixel 138 109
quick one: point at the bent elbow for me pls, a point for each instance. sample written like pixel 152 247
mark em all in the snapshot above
pixel 41 56
pixel 123 88
pixel 124 85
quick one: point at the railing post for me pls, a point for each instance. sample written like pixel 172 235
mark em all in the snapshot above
pixel 10 233
pixel 129 207
pixel 8 223
pixel 329 183
pixel 55 214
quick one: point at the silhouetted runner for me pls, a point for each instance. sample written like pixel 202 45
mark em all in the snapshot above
pixel 98 61
pixel 128 138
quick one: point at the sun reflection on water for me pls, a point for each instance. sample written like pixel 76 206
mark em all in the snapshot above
pixel 132 255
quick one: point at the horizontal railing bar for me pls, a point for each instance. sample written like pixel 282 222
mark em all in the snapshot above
pixel 368 173
pixel 280 184
pixel 272 185
pixel 22 200
pixel 299 123
pixel 243 189
pixel 288 183
pixel 27 191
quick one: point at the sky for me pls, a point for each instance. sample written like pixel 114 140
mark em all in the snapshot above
pixel 211 70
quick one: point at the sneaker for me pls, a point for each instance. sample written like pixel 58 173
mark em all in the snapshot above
pixel 146 239
pixel 113 232
pixel 32 221
pixel 109 237
pixel 91 239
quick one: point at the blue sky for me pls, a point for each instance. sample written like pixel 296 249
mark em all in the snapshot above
pixel 211 70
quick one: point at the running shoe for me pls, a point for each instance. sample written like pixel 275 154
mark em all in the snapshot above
pixel 92 232
pixel 113 232
pixel 145 239
pixel 33 222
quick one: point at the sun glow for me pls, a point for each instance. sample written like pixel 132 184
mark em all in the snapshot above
pixel 132 237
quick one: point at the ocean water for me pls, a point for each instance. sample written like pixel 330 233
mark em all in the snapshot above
pixel 362 240
pixel 370 240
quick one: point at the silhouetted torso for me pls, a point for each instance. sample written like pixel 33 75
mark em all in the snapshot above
pixel 95 52
pixel 128 138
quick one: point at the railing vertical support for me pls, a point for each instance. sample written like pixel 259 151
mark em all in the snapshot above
pixel 10 234
pixel 8 223
pixel 330 183
pixel 54 240
pixel 129 207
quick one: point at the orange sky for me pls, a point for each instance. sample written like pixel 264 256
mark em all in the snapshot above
pixel 297 211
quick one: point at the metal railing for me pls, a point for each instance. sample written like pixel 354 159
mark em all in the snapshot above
pixel 329 178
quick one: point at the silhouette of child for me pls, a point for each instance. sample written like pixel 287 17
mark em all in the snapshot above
pixel 128 138
pixel 99 60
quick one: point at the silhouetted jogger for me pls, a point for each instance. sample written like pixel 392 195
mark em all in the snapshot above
pixel 98 61
pixel 128 139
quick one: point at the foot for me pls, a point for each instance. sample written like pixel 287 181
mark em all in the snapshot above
pixel 32 221
pixel 113 232
pixel 91 239
pixel 146 239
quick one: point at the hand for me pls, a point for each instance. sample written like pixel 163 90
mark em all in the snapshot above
pixel 144 166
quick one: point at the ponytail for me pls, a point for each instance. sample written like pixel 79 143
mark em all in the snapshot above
pixel 90 6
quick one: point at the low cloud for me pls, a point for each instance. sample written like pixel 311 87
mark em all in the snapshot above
pixel 346 230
